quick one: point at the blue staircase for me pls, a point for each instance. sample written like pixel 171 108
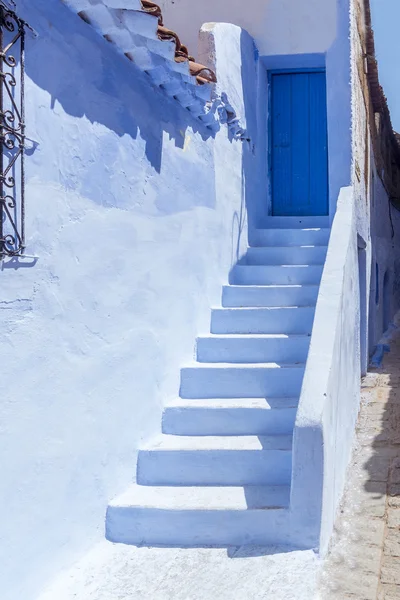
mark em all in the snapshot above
pixel 220 472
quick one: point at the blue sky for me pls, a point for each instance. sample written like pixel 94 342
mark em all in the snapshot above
pixel 386 20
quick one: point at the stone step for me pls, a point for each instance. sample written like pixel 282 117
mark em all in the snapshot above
pixel 232 416
pixel 289 237
pixel 297 222
pixel 227 380
pixel 286 320
pixel 199 516
pixel 286 255
pixel 222 460
pixel 238 296
pixel 279 348
pixel 275 274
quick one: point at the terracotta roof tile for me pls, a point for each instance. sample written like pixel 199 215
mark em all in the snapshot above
pixel 153 9
pixel 201 72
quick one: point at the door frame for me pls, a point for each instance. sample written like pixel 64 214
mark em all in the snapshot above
pixel 270 74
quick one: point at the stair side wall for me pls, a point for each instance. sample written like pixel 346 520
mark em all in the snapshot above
pixel 330 395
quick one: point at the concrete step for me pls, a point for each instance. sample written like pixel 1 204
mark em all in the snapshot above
pixel 297 222
pixel 286 255
pixel 269 295
pixel 282 274
pixel 232 416
pixel 227 380
pixel 289 237
pixel 223 460
pixel 280 348
pixel 285 320
pixel 198 516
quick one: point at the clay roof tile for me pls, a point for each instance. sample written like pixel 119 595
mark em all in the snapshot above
pixel 153 9
pixel 202 73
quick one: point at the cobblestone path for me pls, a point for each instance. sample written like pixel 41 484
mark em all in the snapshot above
pixel 364 560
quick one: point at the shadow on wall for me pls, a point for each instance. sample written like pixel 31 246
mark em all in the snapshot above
pixel 254 151
pixel 18 262
pixel 387 294
pixel 250 169
pixel 251 174
pixel 88 78
pixel 239 221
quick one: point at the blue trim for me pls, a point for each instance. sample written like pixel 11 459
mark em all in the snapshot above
pixel 270 73
pixel 296 71
pixel 269 125
pixel 293 61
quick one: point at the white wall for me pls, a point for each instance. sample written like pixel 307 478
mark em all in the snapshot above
pixel 136 221
pixel 278 26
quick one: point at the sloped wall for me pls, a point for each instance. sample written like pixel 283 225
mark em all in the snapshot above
pixel 133 223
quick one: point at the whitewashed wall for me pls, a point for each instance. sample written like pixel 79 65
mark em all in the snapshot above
pixel 278 26
pixel 136 215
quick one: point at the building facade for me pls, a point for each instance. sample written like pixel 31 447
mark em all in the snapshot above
pixel 258 180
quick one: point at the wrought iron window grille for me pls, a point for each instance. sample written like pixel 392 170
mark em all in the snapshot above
pixel 12 131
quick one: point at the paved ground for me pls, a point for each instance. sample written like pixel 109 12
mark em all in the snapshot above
pixel 364 562
pixel 117 572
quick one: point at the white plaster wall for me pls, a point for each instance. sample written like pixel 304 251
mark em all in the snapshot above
pixel 343 391
pixel 135 221
pixel 278 26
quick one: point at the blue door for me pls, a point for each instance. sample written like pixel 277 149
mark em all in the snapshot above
pixel 299 146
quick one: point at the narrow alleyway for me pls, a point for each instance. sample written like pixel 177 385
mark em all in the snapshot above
pixel 364 561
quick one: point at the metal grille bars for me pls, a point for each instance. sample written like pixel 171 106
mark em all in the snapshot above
pixel 12 133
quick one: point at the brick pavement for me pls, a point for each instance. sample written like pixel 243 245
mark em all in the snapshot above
pixel 364 558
